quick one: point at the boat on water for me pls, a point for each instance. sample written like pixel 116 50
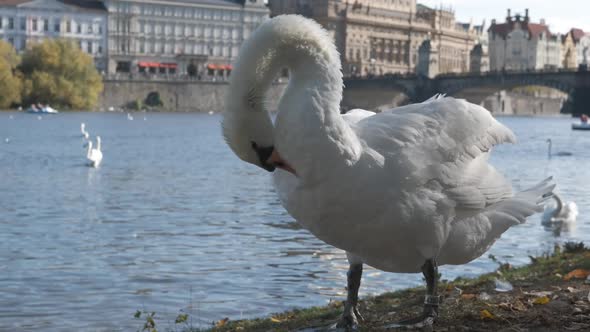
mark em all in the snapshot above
pixel 41 109
pixel 581 126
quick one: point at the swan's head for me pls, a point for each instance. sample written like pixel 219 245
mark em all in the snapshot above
pixel 249 133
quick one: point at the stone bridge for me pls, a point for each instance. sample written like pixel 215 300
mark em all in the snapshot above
pixel 388 91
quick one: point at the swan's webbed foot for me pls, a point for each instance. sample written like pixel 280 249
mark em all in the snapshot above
pixel 351 316
pixel 431 302
pixel 425 321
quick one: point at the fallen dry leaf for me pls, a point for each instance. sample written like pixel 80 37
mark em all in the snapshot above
pixel 485 314
pixel 577 274
pixel 519 306
pixel 542 300
pixel 275 320
pixel 222 322
pixel 467 296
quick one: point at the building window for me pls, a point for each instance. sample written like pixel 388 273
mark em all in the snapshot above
pixel 23 23
pixel 100 29
pixel 90 29
pixel 56 25
pixel 34 24
pixel 99 49
pixel 79 28
pixel 68 26
pixel 123 67
pixel 11 24
pixel 46 25
pixel 89 47
pixel 11 41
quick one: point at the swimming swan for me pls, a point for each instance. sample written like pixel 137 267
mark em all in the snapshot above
pixel 559 153
pixel 560 213
pixel 404 190
pixel 94 155
pixel 83 130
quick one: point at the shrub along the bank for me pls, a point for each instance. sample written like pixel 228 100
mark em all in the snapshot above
pixel 58 72
pixel 10 80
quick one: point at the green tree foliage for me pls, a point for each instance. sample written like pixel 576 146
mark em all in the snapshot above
pixel 58 72
pixel 10 79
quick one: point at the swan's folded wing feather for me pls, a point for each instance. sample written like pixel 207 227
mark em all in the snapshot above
pixel 355 115
pixel 444 141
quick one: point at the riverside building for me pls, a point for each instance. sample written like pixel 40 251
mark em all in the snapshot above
pixel 194 38
pixel 24 22
pixel 379 37
pixel 519 44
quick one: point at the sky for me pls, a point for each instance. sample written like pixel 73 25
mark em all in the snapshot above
pixel 559 15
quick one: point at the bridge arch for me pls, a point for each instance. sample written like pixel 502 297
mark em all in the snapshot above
pixel 476 88
pixel 378 94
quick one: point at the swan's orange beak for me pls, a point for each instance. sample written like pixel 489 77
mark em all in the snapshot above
pixel 276 160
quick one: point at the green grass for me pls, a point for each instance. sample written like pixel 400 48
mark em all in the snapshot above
pixel 546 270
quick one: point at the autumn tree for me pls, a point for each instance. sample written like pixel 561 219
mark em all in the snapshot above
pixel 58 72
pixel 10 79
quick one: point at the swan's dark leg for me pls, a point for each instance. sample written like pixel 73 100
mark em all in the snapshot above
pixel 431 301
pixel 351 315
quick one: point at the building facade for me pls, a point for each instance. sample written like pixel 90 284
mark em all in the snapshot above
pixel 569 48
pixel 23 22
pixel 197 38
pixel 519 44
pixel 378 37
pixel 583 51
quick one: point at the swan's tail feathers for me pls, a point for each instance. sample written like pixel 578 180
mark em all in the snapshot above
pixel 515 210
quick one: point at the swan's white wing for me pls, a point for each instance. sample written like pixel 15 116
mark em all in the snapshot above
pixel 355 115
pixel 95 155
pixel 444 141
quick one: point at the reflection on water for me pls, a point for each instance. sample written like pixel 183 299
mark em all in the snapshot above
pixel 172 220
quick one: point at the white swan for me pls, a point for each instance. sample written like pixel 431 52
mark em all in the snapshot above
pixel 129 117
pixel 83 130
pixel 403 190
pixel 560 213
pixel 94 155
pixel 559 153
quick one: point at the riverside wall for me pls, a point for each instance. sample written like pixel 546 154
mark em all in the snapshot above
pixel 182 96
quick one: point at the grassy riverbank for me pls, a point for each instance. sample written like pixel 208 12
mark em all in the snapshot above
pixel 550 294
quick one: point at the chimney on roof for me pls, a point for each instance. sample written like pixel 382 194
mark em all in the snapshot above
pixel 526 15
pixel 508 15
pixel 493 21
pixel 543 21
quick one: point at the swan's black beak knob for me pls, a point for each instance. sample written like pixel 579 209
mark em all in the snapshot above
pixel 264 154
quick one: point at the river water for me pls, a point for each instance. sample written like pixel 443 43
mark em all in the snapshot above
pixel 173 222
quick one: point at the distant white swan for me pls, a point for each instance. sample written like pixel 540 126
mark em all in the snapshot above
pixel 559 153
pixel 560 213
pixel 129 117
pixel 94 155
pixel 403 190
pixel 83 130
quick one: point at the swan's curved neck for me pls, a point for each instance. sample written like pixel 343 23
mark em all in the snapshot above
pixel 559 204
pixel 89 149
pixel 98 143
pixel 308 128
